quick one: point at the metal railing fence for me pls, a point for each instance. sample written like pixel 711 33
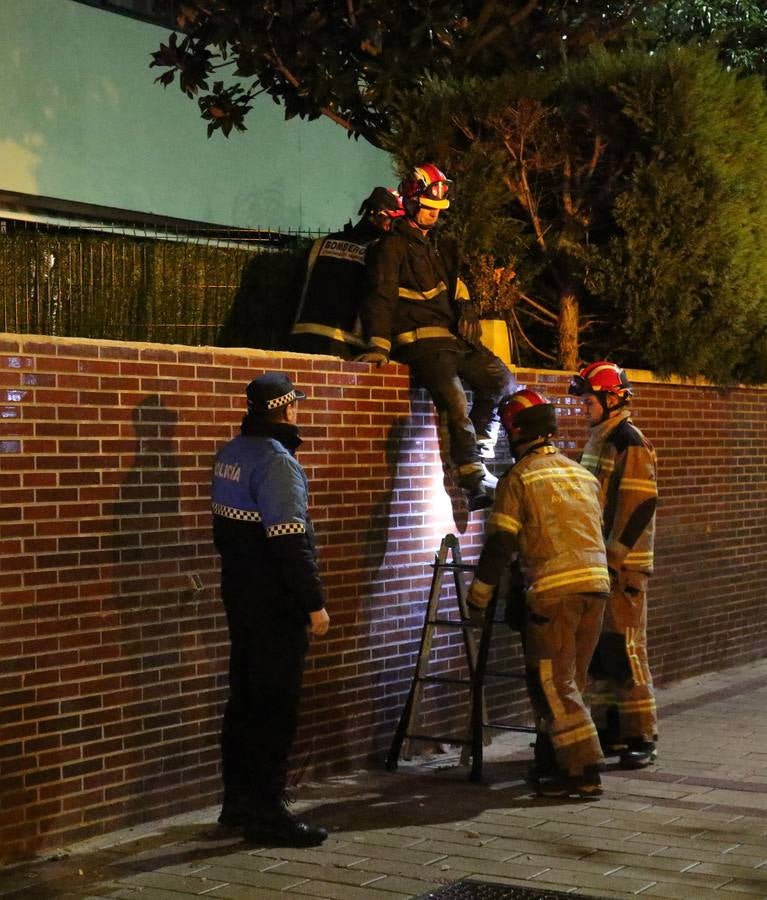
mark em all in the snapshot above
pixel 141 285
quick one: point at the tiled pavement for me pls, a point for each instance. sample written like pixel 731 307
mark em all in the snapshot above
pixel 693 826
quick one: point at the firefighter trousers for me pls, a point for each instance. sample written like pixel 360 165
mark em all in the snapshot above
pixel 621 690
pixel 440 371
pixel 560 637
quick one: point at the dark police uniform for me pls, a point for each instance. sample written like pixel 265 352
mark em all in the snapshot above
pixel 269 584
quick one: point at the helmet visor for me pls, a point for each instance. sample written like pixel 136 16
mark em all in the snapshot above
pixel 437 190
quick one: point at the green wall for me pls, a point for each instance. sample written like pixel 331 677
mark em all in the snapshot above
pixel 81 119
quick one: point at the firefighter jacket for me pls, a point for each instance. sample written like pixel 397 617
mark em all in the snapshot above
pixel 547 507
pixel 414 295
pixel 261 525
pixel 624 462
pixel 335 285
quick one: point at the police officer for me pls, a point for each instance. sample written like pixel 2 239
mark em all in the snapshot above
pixel 547 509
pixel 328 312
pixel 417 310
pixel 271 589
pixel 624 462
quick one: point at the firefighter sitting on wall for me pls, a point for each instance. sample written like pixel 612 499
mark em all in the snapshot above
pixel 328 312
pixel 623 460
pixel 417 310
pixel 547 509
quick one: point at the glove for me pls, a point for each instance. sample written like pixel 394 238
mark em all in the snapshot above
pixel 376 357
pixel 319 622
pixel 479 594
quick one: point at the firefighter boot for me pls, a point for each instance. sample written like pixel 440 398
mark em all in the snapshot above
pixel 638 754
pixel 587 785
pixel 487 439
pixel 545 761
pixel 479 485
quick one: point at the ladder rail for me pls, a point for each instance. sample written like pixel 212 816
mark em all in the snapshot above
pixel 476 637
pixel 415 694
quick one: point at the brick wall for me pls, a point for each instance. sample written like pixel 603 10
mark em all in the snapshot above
pixel 112 659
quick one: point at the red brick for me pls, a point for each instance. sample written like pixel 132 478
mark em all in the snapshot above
pixel 136 667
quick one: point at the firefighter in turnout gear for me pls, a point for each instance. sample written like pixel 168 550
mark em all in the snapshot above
pixel 547 510
pixel 624 462
pixel 417 310
pixel 271 589
pixel 327 320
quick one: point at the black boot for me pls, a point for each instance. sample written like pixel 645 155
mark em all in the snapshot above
pixel 236 809
pixel 233 816
pixel 585 786
pixel 275 825
pixel 480 489
pixel 638 754
pixel 545 764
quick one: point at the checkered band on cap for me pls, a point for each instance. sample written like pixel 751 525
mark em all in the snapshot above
pixel 242 515
pixel 281 401
pixel 285 528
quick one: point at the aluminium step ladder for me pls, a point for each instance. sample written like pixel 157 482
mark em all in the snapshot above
pixel 477 634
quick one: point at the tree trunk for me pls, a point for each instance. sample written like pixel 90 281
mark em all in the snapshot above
pixel 568 331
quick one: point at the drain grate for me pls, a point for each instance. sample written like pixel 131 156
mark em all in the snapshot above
pixel 491 890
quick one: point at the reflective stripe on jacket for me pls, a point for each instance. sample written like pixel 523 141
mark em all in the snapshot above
pixel 624 463
pixel 550 504
pixel 335 285
pixel 261 526
pixel 412 288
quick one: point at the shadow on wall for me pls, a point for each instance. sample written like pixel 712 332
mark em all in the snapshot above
pixel 414 503
pixel 343 698
pixel 264 307
pixel 377 535
pixel 160 620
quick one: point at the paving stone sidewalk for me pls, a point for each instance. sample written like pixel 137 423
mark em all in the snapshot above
pixel 692 826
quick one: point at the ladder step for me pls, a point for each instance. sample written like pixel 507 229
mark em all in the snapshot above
pixel 529 729
pixel 475 632
pixel 456 623
pixel 442 679
pixel 439 738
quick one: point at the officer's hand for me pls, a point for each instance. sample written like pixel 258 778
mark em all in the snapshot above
pixel 375 357
pixel 319 622
pixel 470 330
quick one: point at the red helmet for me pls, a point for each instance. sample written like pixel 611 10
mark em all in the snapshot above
pixel 601 377
pixel 383 201
pixel 425 185
pixel 527 415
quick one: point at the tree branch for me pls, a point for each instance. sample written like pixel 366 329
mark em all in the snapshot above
pixel 542 309
pixel 520 330
pixel 484 39
pixel 567 199
pixel 296 83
